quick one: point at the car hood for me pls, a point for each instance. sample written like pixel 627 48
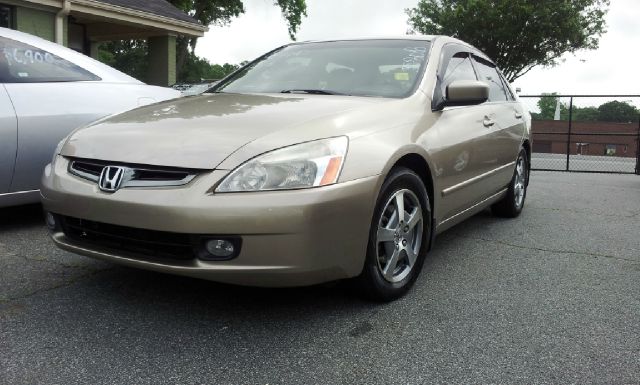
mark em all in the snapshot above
pixel 202 131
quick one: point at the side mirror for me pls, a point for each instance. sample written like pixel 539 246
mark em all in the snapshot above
pixel 466 93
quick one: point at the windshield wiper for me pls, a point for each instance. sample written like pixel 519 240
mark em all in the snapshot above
pixel 311 91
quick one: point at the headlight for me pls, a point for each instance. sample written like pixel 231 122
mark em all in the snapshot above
pixel 304 165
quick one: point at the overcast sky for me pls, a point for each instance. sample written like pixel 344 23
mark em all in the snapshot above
pixel 612 69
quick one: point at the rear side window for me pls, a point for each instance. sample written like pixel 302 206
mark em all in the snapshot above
pixel 459 68
pixel 488 73
pixel 23 63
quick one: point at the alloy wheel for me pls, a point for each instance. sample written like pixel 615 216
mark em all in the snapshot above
pixel 520 182
pixel 399 235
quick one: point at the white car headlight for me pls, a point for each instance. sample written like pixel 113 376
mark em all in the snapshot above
pixel 310 164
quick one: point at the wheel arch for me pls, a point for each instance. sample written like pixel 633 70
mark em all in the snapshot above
pixel 420 166
pixel 415 160
pixel 526 144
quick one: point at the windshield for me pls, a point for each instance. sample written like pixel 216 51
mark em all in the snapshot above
pixel 385 68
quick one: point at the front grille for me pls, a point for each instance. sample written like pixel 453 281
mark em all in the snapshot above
pixel 135 175
pixel 87 168
pixel 141 242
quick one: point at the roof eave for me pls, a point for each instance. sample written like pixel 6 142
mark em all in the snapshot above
pixel 97 8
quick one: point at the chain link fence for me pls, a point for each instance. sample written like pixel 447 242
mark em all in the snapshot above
pixel 585 133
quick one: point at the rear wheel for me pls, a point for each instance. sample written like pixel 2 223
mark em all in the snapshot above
pixel 398 238
pixel 511 205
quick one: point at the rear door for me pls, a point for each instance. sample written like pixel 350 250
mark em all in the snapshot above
pixel 506 123
pixel 8 138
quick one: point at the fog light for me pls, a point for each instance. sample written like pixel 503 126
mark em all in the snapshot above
pixel 220 248
pixel 51 221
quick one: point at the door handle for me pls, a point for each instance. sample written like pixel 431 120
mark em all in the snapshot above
pixel 488 122
pixel 518 115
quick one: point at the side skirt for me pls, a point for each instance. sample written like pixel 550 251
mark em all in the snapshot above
pixel 464 214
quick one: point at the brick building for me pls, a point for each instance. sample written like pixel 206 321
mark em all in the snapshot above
pixel 587 138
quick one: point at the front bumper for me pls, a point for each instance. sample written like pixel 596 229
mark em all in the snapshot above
pixel 289 238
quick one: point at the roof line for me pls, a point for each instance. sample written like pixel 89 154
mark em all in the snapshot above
pixel 91 6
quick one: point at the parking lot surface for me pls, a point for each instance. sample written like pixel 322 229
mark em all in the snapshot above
pixel 550 297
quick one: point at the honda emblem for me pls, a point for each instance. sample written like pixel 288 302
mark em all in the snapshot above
pixel 111 178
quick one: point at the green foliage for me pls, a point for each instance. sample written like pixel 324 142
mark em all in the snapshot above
pixel 614 111
pixel 548 104
pixel 293 11
pixel 197 69
pixel 517 34
pixel 220 12
pixel 207 12
pixel 585 114
pixel 128 56
pixel 131 57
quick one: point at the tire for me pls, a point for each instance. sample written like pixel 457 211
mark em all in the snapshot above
pixel 512 204
pixel 396 253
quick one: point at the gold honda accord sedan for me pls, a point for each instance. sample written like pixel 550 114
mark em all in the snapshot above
pixel 319 161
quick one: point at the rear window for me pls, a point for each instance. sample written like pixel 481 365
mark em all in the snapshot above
pixel 23 63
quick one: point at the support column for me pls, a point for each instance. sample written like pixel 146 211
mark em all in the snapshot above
pixel 162 60
pixel 61 21
pixel 93 49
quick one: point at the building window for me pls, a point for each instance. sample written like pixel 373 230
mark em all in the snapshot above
pixel 610 149
pixel 6 16
pixel 582 148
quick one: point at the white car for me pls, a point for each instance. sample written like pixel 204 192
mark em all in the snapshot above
pixel 46 91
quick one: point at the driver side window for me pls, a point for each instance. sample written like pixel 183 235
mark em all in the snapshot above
pixel 458 68
pixel 489 74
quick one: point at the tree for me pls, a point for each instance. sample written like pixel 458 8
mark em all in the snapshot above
pixel 128 56
pixel 518 34
pixel 131 57
pixel 220 12
pixel 585 114
pixel 548 104
pixel 197 69
pixel 616 111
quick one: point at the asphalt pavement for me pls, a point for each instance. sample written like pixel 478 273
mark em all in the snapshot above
pixel 552 297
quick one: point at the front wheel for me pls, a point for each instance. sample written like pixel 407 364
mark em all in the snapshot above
pixel 398 238
pixel 511 205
